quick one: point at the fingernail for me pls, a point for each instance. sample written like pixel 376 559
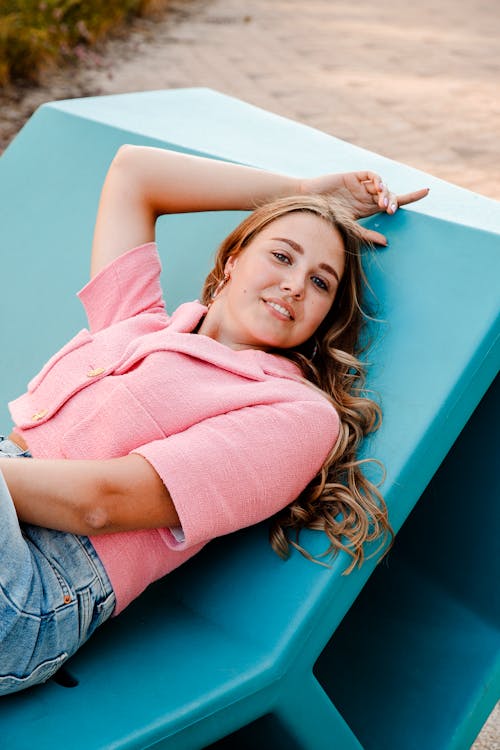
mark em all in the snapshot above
pixel 393 207
pixel 386 201
pixel 381 186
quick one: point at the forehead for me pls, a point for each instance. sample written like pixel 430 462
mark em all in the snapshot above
pixel 317 237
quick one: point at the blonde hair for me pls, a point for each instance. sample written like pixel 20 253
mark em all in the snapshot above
pixel 340 500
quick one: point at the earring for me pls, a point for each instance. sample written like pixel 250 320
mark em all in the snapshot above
pixel 314 352
pixel 220 286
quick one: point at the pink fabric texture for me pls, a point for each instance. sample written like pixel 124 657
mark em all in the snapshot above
pixel 234 435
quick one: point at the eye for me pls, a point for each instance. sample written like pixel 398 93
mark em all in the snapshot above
pixel 320 283
pixel 281 257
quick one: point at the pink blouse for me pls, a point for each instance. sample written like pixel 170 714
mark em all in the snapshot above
pixel 234 435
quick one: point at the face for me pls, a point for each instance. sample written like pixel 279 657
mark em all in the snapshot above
pixel 281 285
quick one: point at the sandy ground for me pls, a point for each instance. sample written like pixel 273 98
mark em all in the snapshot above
pixel 417 82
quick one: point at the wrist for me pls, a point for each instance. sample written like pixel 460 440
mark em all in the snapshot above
pixel 328 183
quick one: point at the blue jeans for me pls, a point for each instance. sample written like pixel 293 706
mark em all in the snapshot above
pixel 54 592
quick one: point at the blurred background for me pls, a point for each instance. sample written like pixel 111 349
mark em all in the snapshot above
pixel 418 82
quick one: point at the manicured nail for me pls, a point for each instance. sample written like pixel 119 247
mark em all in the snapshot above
pixel 381 186
pixel 393 207
pixel 386 201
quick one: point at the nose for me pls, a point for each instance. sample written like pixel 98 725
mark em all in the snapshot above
pixel 293 285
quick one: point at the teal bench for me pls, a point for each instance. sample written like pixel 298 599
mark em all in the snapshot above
pixel 237 648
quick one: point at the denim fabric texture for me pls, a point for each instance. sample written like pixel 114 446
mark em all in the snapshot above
pixel 54 592
pixel 8 449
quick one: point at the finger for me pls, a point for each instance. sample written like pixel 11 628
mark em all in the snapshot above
pixel 375 238
pixel 368 176
pixel 385 197
pixel 417 195
pixel 371 180
pixel 392 203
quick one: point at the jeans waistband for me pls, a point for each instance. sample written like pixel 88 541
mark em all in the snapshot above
pixel 9 449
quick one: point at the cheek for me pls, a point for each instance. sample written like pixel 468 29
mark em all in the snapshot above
pixel 318 311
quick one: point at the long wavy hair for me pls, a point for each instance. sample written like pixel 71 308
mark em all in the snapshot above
pixel 341 500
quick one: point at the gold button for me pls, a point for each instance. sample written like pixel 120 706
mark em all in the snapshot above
pixel 39 415
pixel 96 372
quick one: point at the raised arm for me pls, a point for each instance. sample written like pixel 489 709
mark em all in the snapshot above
pixel 143 182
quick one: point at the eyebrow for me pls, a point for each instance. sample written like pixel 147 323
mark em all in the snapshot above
pixel 299 249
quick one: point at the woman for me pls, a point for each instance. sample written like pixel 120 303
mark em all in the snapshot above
pixel 149 435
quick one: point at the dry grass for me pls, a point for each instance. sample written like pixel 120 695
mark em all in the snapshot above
pixel 37 35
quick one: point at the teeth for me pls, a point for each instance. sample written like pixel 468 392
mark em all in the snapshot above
pixel 280 309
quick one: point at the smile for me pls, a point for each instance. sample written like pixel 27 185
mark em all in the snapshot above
pixel 283 312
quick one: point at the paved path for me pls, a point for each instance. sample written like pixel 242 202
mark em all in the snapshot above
pixel 420 84
pixel 418 81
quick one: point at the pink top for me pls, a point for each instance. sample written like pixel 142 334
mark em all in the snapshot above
pixel 234 435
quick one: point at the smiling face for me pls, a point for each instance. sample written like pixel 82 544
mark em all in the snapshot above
pixel 281 286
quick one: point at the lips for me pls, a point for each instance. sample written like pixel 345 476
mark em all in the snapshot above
pixel 281 307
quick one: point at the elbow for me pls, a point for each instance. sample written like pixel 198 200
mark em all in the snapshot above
pixel 124 161
pixel 128 157
pixel 129 178
pixel 96 520
pixel 96 512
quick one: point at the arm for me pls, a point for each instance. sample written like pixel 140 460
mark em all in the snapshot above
pixel 240 467
pixel 89 497
pixel 255 449
pixel 144 182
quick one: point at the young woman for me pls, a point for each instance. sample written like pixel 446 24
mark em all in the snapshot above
pixel 149 435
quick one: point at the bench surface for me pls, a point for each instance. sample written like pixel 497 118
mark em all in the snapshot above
pixel 232 638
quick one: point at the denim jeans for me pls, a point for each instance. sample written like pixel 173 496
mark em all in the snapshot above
pixel 54 592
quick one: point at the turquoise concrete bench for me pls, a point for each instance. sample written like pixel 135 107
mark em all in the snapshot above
pixel 238 648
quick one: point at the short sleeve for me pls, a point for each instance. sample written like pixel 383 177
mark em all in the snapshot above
pixel 126 287
pixel 236 469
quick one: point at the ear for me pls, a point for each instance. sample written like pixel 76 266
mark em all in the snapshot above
pixel 230 265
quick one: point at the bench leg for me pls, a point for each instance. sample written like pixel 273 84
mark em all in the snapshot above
pixel 312 720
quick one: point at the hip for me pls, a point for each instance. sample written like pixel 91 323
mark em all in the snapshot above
pixel 54 592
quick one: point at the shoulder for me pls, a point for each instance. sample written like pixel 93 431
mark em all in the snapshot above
pixel 314 414
pixel 128 285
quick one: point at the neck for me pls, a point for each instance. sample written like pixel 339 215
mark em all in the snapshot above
pixel 212 325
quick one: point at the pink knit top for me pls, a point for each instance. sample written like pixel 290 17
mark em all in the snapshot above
pixel 234 435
